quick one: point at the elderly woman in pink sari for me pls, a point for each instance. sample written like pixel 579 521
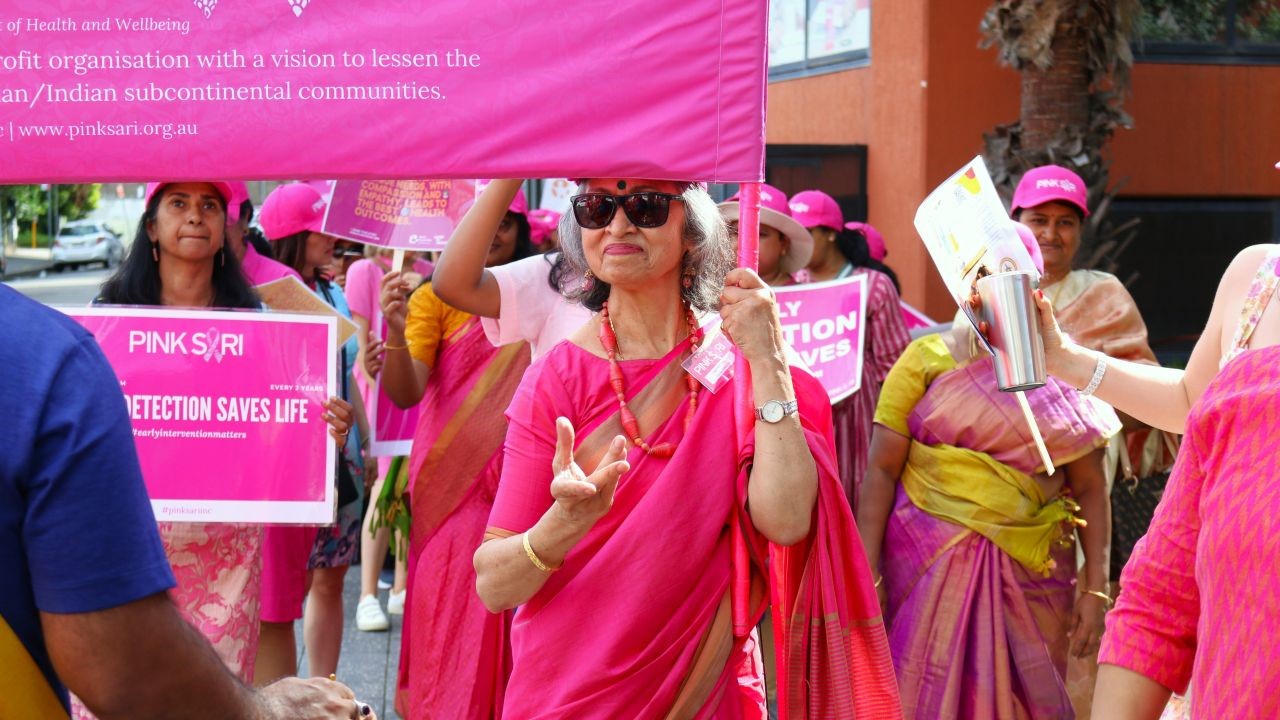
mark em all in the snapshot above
pixel 632 524
pixel 974 539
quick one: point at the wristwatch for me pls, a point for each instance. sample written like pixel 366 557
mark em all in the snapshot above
pixel 774 410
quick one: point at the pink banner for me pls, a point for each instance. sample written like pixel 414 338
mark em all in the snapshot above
pixel 915 319
pixel 410 214
pixel 235 89
pixel 226 410
pixel 823 322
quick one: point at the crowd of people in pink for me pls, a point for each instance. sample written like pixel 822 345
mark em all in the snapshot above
pixel 591 535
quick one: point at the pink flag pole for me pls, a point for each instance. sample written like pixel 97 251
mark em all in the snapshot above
pixel 744 407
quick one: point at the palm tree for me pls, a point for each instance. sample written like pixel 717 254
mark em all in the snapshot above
pixel 1074 58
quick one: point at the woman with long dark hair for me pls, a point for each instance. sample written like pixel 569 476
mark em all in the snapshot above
pixel 180 259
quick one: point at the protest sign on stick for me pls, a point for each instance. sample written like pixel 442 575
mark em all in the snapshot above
pixel 968 233
pixel 226 409
pixel 402 214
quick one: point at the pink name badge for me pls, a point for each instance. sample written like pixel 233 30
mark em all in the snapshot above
pixel 712 363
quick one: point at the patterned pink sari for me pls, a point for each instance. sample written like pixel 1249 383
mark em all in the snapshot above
pixel 974 632
pixel 651 615
pixel 454 656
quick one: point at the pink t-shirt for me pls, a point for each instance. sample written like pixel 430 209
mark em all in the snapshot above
pixel 262 270
pixel 530 310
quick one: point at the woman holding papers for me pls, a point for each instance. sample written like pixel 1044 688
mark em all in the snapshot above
pixel 621 526
pixel 974 543
pixel 886 332
pixel 453 655
pixel 302 562
pixel 180 259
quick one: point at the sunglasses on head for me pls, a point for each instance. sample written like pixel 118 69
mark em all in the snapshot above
pixel 644 209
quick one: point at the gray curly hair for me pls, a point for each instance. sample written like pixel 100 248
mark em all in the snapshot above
pixel 709 259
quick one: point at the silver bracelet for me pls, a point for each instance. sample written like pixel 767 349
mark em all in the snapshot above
pixel 1099 371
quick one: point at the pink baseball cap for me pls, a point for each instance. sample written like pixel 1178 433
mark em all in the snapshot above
pixel 292 208
pixel 776 213
pixel 542 223
pixel 1049 183
pixel 519 204
pixel 1028 239
pixel 814 208
pixel 875 241
pixel 224 189
pixel 239 193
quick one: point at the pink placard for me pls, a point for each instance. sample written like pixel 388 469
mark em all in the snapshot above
pixel 391 427
pixel 226 410
pixel 410 214
pixel 823 322
pixel 915 319
pixel 235 89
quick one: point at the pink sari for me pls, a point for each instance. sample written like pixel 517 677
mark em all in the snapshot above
pixel 652 614
pixel 974 632
pixel 454 657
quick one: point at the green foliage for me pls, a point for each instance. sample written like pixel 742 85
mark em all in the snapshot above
pixel 1205 21
pixel 75 202
pixel 1193 21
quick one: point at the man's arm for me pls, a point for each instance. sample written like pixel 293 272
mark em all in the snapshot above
pixel 141 659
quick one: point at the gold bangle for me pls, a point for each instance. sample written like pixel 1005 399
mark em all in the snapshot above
pixel 533 556
pixel 405 346
pixel 1099 594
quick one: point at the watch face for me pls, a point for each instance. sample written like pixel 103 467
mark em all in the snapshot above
pixel 772 411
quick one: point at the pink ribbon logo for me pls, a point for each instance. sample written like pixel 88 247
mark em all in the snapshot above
pixel 214 351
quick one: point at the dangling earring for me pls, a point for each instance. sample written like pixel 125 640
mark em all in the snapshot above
pixel 223 253
pixel 687 280
pixel 588 280
pixel 155 251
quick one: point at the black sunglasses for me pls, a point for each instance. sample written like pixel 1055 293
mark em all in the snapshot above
pixel 644 209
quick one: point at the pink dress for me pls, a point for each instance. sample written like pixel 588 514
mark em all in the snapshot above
pixel 1201 594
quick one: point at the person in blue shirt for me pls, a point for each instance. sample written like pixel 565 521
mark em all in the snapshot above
pixel 83 575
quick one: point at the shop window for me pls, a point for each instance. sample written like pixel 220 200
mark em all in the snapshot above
pixel 838 170
pixel 807 36
pixel 1209 31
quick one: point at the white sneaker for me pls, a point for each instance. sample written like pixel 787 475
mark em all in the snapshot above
pixel 369 615
pixel 395 603
pixel 383 584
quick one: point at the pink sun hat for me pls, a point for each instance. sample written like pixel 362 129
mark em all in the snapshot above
pixel 814 208
pixel 292 208
pixel 775 213
pixel 1029 241
pixel 875 241
pixel 1050 183
pixel 224 189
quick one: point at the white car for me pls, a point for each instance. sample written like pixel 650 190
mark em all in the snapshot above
pixel 86 241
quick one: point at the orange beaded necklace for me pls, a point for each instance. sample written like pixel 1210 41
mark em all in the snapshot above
pixel 609 341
